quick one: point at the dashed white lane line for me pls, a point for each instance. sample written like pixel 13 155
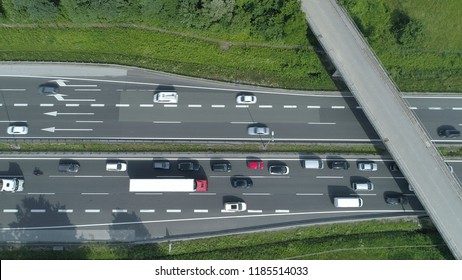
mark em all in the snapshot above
pixel 72 105
pixel 256 194
pixel 218 106
pixel 146 105
pixel 166 122
pixel 40 193
pixel 173 210
pixel 313 107
pixel 456 108
pixel 147 210
pixel 359 107
pixel 242 122
pixel 47 105
pixel 92 210
pixel 194 106
pixel 10 210
pixel 204 193
pixel 313 194
pixel 65 210
pixel 201 210
pixel 281 211
pixel 290 106
pixel 265 106
pixel 412 108
pixel 37 210
pixel 97 105
pixel 87 89
pixel 242 106
pixel 255 211
pixel 434 108
pixel 12 89
pixel 94 193
pixel 122 105
pixel 170 105
pixel 20 105
pixel 329 177
pixel 89 121
pixel 119 210
pixel 338 107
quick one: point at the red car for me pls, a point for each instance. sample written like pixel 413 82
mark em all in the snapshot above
pixel 256 164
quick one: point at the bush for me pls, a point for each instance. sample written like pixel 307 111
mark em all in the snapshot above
pixel 27 10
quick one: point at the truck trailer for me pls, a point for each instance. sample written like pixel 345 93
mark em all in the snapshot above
pixel 168 185
pixel 11 185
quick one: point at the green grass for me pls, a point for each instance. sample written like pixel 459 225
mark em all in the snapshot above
pixel 363 240
pixel 151 49
pixel 431 60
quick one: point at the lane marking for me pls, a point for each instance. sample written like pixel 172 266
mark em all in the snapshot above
pixel 242 106
pixel 86 89
pixel 201 210
pixel 195 106
pixel 148 193
pixel 89 176
pixel 359 107
pixel 290 106
pixel 40 193
pixel 281 211
pixel 329 177
pixel 94 193
pixel 207 193
pixel 456 108
pixel 255 211
pixel 434 108
pixel 92 210
pixel 146 105
pixel 412 108
pixel 47 105
pixel 53 129
pixel 390 177
pixel 364 194
pixel 122 105
pixel 97 105
pixel 218 106
pixel 89 121
pixel 10 210
pixel 38 210
pixel 12 89
pixel 265 106
pixel 147 210
pixel 173 210
pixel 338 107
pixel 20 105
pixel 242 122
pixel 313 107
pixel 314 194
pixel 72 105
pixel 167 122
pixel 321 123
pixel 119 211
pixel 170 105
pixel 65 210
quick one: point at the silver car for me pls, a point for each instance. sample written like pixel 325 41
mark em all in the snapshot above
pixel 367 166
pixel 17 129
pixel 258 130
pixel 246 99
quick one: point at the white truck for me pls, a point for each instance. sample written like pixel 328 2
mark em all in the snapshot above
pixel 168 185
pixel 11 185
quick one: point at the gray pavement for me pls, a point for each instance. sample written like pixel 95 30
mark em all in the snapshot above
pixel 407 141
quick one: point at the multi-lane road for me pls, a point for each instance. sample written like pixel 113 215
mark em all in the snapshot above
pixel 117 103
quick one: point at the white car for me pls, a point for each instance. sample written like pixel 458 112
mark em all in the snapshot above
pixel 17 129
pixel 166 97
pixel 246 99
pixel 116 166
pixel 258 130
pixel 367 166
pixel 235 206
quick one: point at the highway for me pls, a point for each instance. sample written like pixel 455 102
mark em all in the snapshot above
pixel 95 202
pixel 101 107
pixel 406 140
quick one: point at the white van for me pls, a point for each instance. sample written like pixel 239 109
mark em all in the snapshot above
pixel 348 202
pixel 362 186
pixel 166 97
pixel 313 164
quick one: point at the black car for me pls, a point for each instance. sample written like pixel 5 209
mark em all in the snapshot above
pixel 449 133
pixel 395 199
pixel 162 164
pixel 243 183
pixel 339 165
pixel 48 88
pixel 221 167
pixel 188 166
pixel 71 167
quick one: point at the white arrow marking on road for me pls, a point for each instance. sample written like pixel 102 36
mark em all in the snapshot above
pixel 53 129
pixel 61 83
pixel 60 97
pixel 55 113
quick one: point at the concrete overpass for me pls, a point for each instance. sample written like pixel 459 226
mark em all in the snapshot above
pixel 438 190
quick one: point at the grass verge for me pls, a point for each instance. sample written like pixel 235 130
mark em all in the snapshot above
pixel 375 240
